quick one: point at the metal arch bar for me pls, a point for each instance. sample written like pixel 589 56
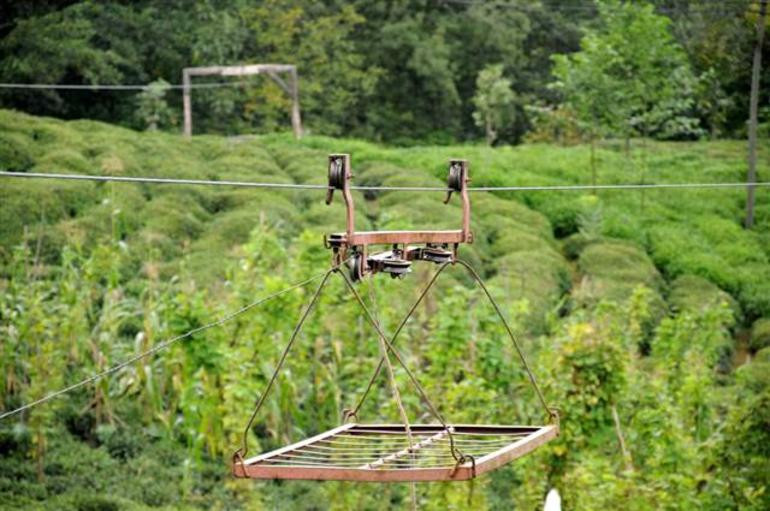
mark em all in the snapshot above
pixel 352 238
pixel 551 413
pixel 553 416
pixel 401 325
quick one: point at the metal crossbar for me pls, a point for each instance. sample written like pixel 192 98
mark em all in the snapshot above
pixel 382 453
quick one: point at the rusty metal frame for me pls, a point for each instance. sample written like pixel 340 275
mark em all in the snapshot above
pixel 340 176
pixel 265 465
pixel 271 70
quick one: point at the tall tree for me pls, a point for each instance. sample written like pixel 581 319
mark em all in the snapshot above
pixel 717 37
pixel 336 81
pixel 493 101
pixel 629 77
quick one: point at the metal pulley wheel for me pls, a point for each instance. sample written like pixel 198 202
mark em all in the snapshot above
pixel 397 268
pixel 455 179
pixel 355 267
pixel 337 173
pixel 336 177
pixel 389 262
pixel 436 255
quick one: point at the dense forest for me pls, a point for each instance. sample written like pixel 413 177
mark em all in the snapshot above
pixel 645 314
pixel 403 71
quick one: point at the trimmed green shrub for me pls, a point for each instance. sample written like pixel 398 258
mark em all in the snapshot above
pixel 15 152
pixel 694 294
pixel 574 244
pixel 760 334
pixel 613 269
pixel 561 210
pixel 539 277
pixel 65 160
pixel 177 216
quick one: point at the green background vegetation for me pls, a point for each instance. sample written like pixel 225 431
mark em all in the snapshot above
pixel 654 308
pixel 400 71
pixel 645 314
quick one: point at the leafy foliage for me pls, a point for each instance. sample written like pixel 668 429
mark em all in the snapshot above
pixel 152 107
pixel 630 75
pixel 493 101
pixel 633 327
pixel 760 334
pixel 399 72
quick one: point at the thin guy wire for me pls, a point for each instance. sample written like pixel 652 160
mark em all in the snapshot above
pixel 158 347
pixel 252 184
pixel 115 86
pixel 244 449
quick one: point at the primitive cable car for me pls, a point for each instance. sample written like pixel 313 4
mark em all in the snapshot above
pixel 395 452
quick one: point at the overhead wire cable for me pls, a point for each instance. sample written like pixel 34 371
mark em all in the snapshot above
pixel 158 347
pixel 593 8
pixel 300 186
pixel 712 8
pixel 117 86
pixel 631 186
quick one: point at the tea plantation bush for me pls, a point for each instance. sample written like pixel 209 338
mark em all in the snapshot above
pixel 635 298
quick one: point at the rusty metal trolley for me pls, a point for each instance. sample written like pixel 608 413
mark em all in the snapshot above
pixel 395 452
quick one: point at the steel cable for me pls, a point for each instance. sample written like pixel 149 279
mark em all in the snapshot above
pixel 252 184
pixel 456 453
pixel 116 86
pixel 238 455
pixel 158 347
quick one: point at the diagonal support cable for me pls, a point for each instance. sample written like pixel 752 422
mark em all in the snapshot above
pixel 354 411
pixel 243 450
pixel 158 347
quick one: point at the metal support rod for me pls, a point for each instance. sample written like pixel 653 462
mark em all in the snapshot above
pixel 753 105
pixel 296 119
pixel 186 103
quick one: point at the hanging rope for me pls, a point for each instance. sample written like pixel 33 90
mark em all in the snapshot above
pixel 394 388
pixel 389 367
pixel 456 454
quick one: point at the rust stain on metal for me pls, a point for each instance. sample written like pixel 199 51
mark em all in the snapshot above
pixel 433 246
pixel 380 453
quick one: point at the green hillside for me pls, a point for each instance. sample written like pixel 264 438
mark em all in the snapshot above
pixel 629 303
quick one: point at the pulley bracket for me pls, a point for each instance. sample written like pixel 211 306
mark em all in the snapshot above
pixel 407 246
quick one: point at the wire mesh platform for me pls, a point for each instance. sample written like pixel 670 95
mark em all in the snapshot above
pixel 381 453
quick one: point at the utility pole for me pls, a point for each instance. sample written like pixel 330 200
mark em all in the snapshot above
pixel 753 105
